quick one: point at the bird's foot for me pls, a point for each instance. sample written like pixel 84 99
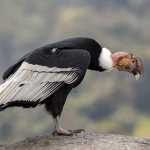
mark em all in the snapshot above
pixel 62 132
pixel 65 132
pixel 77 131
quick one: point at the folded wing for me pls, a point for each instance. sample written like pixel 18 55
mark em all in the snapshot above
pixel 34 83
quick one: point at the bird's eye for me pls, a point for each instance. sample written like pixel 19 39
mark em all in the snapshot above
pixel 133 61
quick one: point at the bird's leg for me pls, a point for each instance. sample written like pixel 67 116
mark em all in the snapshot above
pixel 60 131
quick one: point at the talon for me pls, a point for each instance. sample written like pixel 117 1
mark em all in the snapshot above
pixel 77 131
pixel 54 133
pixel 67 132
pixel 62 133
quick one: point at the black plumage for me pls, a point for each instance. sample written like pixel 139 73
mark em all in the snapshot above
pixel 52 71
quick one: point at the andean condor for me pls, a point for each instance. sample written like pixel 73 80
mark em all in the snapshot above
pixel 48 74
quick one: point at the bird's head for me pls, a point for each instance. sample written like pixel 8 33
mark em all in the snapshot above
pixel 128 62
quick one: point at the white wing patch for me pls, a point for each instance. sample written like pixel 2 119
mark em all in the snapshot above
pixel 35 82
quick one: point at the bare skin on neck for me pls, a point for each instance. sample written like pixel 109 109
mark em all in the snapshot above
pixel 117 55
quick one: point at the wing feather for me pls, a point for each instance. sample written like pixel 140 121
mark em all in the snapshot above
pixel 35 83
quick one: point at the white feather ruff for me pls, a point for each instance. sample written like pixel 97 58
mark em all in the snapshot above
pixel 105 59
pixel 35 82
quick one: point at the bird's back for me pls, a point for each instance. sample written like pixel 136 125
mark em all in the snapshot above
pixel 72 43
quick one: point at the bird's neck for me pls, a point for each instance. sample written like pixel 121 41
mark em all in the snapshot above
pixel 101 60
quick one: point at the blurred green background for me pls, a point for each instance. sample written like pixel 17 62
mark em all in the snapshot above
pixel 105 102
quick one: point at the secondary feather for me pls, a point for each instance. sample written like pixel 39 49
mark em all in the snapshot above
pixel 35 83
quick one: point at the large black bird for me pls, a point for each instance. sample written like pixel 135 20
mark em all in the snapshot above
pixel 48 74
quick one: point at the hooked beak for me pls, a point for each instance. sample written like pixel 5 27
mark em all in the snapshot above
pixel 137 76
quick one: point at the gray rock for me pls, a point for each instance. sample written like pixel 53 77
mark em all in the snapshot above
pixel 87 141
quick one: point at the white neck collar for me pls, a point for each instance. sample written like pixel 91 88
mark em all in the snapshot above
pixel 105 59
